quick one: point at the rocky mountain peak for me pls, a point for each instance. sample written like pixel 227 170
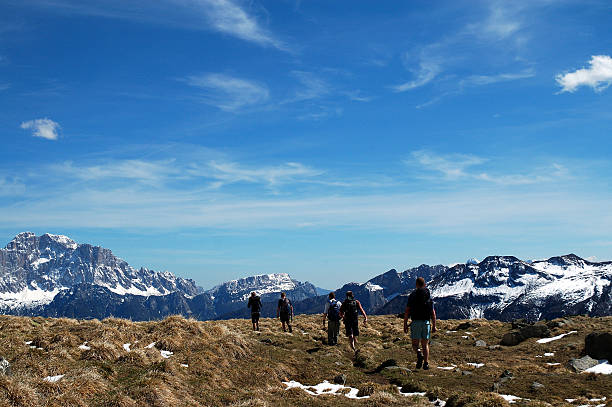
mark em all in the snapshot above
pixel 567 260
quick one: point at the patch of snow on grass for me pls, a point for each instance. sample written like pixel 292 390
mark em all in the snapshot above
pixel 53 379
pixel 126 346
pixel 555 338
pixel 414 394
pixel 603 368
pixel 166 353
pixel 447 367
pixel 184 365
pixel 549 354
pixel 150 346
pixel 84 346
pixel 325 388
pixel 476 365
pixel 510 398
pixel 553 364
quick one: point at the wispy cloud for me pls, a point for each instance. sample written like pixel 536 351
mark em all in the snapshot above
pixel 227 92
pixel 501 22
pixel 598 75
pixel 271 176
pixel 311 86
pixel 224 16
pixel 425 71
pixel 45 128
pixel 455 167
pixel 477 80
pixel 172 173
pixel 11 187
pixel 147 172
pixel 227 17
pixel 451 166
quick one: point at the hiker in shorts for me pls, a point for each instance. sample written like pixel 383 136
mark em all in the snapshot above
pixel 332 314
pixel 284 311
pixel 255 306
pixel 349 312
pixel 420 309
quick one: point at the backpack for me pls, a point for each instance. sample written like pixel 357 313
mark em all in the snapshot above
pixel 351 311
pixel 284 305
pixel 334 310
pixel 421 304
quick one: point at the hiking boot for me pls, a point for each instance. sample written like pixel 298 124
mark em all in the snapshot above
pixel 426 366
pixel 419 360
pixel 290 330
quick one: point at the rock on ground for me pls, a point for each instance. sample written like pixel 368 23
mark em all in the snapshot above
pixel 598 345
pixel 5 366
pixel 582 364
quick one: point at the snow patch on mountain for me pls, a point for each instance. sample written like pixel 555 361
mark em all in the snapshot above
pixel 240 289
pixel 33 270
pixel 27 298
pixel 501 283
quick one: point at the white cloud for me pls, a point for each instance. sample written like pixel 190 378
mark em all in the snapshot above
pixel 480 211
pixel 272 176
pixel 477 80
pixel 227 92
pixel 454 167
pixel 427 70
pixel 224 16
pixel 598 76
pixel 312 87
pixel 11 187
pixel 451 166
pixel 45 128
pixel 502 20
pixel 148 172
pixel 228 17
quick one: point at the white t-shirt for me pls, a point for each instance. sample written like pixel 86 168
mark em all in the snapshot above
pixel 327 306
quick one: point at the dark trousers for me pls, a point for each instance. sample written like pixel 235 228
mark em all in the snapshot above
pixel 333 329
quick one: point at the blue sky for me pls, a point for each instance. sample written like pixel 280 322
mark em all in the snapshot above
pixel 219 139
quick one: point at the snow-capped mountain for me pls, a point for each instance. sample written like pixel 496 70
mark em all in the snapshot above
pixel 505 288
pixel 232 295
pixel 33 270
pixel 52 275
pixel 377 292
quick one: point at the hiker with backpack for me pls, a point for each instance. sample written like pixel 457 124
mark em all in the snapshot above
pixel 349 312
pixel 284 311
pixel 332 313
pixel 420 309
pixel 255 306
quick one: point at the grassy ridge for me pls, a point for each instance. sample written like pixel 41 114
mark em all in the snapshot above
pixel 225 363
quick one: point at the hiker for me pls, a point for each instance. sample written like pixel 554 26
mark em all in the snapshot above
pixel 284 311
pixel 255 306
pixel 332 313
pixel 420 309
pixel 349 312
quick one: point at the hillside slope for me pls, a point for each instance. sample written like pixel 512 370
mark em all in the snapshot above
pixel 114 362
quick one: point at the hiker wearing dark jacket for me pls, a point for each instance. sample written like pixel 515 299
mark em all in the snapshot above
pixel 255 306
pixel 332 314
pixel 284 311
pixel 349 312
pixel 420 309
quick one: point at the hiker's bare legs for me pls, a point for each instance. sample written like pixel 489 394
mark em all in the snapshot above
pixel 425 347
pixel 415 345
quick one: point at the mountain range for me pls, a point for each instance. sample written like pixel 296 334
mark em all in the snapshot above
pixel 51 275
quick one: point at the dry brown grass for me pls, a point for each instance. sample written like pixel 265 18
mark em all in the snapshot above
pixel 229 364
